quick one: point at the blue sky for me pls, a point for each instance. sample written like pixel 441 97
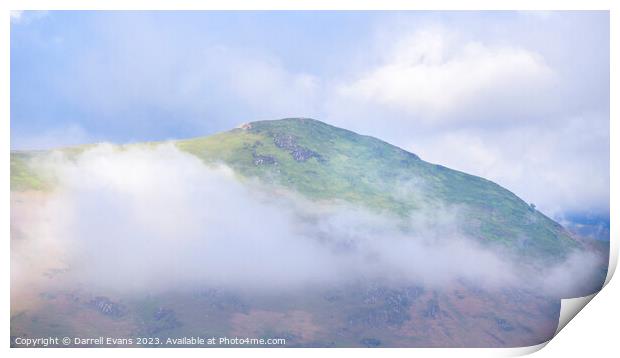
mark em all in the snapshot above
pixel 521 98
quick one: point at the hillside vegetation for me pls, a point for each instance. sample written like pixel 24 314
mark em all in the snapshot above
pixel 325 163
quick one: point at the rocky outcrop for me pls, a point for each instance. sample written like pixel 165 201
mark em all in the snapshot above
pixel 289 143
pixel 285 141
pixel 432 309
pixel 260 159
pixel 385 307
pixel 107 307
pixel 222 300
pixel 504 325
pixel 164 319
pixel 370 342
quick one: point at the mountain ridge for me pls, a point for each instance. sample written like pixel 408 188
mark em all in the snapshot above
pixel 324 162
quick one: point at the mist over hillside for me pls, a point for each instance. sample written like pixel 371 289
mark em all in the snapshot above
pixel 291 208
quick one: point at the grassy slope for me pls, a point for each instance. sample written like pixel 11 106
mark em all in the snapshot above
pixel 368 171
pixel 23 177
pixel 340 164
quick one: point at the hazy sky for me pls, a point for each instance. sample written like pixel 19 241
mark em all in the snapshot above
pixel 520 98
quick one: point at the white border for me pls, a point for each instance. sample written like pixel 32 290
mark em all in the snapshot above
pixel 596 331
pixel 310 5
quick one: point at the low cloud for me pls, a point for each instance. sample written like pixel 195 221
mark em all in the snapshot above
pixel 142 219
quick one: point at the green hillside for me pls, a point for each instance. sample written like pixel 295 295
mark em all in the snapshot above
pixel 324 162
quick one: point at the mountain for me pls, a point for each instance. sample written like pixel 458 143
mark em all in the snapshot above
pixel 326 164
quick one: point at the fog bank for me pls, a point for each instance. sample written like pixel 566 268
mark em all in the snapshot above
pixel 155 218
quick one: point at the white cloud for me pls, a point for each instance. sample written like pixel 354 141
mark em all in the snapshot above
pixel 510 100
pixel 16 15
pixel 215 84
pixel 26 16
pixel 148 218
pixel 535 120
pixel 435 74
pixel 69 135
pixel 263 83
pixel 556 168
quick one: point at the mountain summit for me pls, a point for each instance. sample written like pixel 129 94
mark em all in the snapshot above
pixel 324 162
